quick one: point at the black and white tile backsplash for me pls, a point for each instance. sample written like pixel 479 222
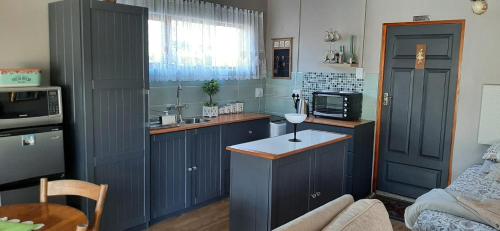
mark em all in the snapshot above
pixel 320 81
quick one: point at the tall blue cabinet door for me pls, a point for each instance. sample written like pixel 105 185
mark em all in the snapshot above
pixel 206 164
pixel 168 174
pixel 119 105
pixel 328 174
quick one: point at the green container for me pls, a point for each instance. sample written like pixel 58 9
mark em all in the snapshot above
pixel 20 77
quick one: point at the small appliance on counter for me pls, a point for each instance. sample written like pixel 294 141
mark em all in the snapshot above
pixel 338 105
pixel 277 126
pixel 31 140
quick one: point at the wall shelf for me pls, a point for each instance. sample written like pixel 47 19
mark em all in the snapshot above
pixel 344 65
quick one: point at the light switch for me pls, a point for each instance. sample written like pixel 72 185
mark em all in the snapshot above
pixel 259 92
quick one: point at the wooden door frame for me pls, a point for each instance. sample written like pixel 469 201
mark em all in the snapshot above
pixel 378 125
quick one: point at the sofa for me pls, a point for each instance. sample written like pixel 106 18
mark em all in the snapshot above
pixel 343 214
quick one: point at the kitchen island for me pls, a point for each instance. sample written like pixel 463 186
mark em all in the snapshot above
pixel 274 181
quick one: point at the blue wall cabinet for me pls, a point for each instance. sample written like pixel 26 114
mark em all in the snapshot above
pixel 98 54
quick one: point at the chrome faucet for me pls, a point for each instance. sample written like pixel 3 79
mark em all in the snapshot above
pixel 179 106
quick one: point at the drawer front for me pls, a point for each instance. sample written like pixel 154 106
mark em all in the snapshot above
pixel 257 130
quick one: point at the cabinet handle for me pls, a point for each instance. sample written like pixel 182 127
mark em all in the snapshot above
pixel 318 194
pixel 250 132
pixel 195 168
pixel 313 195
pixel 190 169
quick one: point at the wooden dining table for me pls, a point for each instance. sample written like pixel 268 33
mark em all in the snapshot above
pixel 53 216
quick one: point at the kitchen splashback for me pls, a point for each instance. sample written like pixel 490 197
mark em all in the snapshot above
pixel 320 81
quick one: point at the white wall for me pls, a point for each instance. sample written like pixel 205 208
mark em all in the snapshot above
pixel 24 40
pixel 318 16
pixel 24 32
pixel 283 22
pixel 481 60
pixel 310 19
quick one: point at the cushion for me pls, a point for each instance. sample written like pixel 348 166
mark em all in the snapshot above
pixel 316 219
pixel 493 153
pixel 365 214
pixel 486 167
pixel 494 172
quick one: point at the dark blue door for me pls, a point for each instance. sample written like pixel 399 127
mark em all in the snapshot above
pixel 121 139
pixel 205 159
pixel 419 91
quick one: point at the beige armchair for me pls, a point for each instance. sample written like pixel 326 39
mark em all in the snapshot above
pixel 343 214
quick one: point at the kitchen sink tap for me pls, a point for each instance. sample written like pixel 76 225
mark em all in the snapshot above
pixel 179 107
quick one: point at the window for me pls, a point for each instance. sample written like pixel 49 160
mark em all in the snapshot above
pixel 218 46
pixel 155 41
pixel 197 40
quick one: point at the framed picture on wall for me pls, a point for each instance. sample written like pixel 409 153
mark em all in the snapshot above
pixel 282 58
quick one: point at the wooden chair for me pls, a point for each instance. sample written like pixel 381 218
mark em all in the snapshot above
pixel 76 188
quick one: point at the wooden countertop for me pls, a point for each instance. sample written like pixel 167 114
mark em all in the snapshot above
pixel 279 147
pixel 338 123
pixel 223 119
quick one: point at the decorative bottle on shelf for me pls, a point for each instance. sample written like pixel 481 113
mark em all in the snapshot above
pixel 353 58
pixel 341 55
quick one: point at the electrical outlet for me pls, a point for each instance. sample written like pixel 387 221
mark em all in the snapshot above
pixel 359 73
pixel 259 92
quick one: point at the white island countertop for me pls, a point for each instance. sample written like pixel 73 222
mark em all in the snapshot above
pixel 280 146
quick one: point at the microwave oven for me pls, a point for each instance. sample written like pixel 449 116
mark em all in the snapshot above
pixel 30 106
pixel 338 105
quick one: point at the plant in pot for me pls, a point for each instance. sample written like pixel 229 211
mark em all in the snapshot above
pixel 210 109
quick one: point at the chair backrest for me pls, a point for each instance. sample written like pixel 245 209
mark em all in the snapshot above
pixel 76 188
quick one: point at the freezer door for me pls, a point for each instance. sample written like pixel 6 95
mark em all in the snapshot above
pixel 29 153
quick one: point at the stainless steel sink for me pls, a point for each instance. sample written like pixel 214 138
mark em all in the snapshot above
pixel 196 121
pixel 159 126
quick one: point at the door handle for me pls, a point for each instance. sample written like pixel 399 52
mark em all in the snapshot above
pixel 387 99
pixel 190 169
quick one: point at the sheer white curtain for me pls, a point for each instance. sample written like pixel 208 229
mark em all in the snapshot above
pixel 196 40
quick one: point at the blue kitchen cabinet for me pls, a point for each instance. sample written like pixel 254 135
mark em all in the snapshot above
pixel 204 164
pixel 168 174
pixel 358 171
pixel 237 133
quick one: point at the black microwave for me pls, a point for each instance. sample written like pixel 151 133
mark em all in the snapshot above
pixel 338 105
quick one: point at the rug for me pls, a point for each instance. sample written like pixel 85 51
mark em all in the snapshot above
pixel 395 207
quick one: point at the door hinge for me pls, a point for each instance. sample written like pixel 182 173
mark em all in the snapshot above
pixel 93 85
pixel 95 161
pixel 146 91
